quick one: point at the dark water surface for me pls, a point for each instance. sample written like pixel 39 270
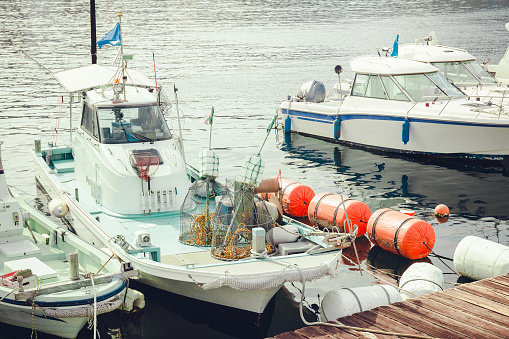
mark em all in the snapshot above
pixel 244 58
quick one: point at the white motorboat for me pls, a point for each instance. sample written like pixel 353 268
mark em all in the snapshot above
pixel 127 186
pixel 461 68
pixel 41 287
pixel 403 106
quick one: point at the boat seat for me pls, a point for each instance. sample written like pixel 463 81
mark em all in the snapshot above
pixel 19 248
pixel 40 269
pixel 294 247
pixel 64 166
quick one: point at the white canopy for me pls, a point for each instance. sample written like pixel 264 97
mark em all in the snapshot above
pixel 429 53
pixel 84 78
pixel 389 66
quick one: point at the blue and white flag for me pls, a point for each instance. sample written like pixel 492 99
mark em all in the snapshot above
pixel 395 47
pixel 111 38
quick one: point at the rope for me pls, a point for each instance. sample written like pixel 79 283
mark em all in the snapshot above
pixel 360 329
pixel 95 306
pixel 106 262
pixel 440 258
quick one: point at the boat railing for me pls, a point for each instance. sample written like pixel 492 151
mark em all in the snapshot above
pixel 479 103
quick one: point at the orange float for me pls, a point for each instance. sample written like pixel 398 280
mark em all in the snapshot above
pixel 441 210
pixel 328 210
pixel 401 234
pixel 296 197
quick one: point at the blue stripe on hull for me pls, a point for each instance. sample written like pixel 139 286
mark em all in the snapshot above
pixel 67 303
pixel 329 119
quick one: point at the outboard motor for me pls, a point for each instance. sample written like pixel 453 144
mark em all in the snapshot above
pixel 312 91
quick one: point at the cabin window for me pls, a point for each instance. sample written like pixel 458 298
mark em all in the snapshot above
pixel 359 86
pixel 480 72
pixel 132 124
pixel 375 89
pixel 456 72
pixel 89 121
pixel 392 89
pixel 448 88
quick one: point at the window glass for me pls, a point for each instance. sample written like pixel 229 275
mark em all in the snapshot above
pixel 359 86
pixel 375 89
pixel 393 91
pixel 480 72
pixel 446 87
pixel 456 72
pixel 132 124
pixel 89 121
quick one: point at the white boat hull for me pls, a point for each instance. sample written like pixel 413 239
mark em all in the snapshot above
pixel 437 135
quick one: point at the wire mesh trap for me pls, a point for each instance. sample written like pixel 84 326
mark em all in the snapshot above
pixel 197 211
pixel 238 211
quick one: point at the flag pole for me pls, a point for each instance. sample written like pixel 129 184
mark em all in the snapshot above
pixel 124 78
pixel 93 38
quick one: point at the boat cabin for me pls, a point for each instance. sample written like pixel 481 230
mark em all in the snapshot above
pixel 138 120
pixel 398 79
pixel 455 64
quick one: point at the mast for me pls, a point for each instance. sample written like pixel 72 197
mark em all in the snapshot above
pixel 93 42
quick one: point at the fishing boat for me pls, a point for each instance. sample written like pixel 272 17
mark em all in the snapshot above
pixel 402 106
pixel 52 281
pixel 127 186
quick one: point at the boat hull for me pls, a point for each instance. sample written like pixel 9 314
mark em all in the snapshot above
pixel 439 136
pixel 255 281
pixel 22 316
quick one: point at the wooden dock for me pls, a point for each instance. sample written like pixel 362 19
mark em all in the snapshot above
pixel 475 310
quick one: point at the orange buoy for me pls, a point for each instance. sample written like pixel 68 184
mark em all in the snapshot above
pixel 328 210
pixel 296 197
pixel 401 234
pixel 441 210
pixel 408 212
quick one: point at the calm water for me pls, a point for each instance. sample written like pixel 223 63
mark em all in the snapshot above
pixel 243 58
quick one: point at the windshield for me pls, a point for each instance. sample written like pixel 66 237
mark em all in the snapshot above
pixel 132 124
pixel 426 85
pixel 465 72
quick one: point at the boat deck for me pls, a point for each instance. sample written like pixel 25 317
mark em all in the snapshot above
pixel 475 310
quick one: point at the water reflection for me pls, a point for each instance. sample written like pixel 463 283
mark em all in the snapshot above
pixel 469 189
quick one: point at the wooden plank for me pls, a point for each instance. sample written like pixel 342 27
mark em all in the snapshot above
pixel 418 309
pixel 475 325
pixel 339 333
pixel 428 327
pixel 484 292
pixel 495 287
pixel 503 280
pixel 289 335
pixel 381 321
pixel 313 332
pixel 357 322
pixel 478 300
pixel 467 307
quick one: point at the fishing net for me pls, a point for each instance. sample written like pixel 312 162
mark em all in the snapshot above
pixel 197 211
pixel 145 162
pixel 238 212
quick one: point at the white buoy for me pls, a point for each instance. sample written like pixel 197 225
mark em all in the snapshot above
pixel 419 279
pixel 134 300
pixel 347 301
pixel 279 235
pixel 58 208
pixel 479 258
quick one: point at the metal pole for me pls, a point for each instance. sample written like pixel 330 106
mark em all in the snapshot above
pixel 93 42
pixel 175 90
